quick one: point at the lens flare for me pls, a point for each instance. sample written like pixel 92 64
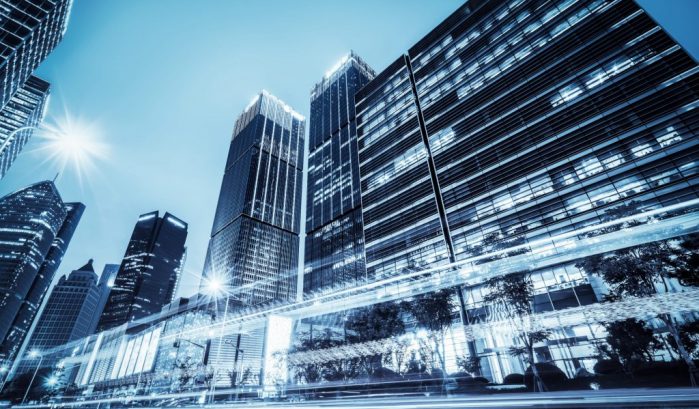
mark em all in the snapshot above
pixel 73 144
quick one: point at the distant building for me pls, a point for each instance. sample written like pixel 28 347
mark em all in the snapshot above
pixel 35 229
pixel 149 272
pixel 68 314
pixel 334 251
pixel 255 237
pixel 106 282
pixel 21 115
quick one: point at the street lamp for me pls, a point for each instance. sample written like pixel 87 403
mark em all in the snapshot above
pixel 33 354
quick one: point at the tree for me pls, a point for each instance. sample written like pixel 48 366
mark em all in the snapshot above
pixel 433 312
pixel 630 341
pixel 687 261
pixel 688 333
pixel 184 368
pixel 335 370
pixel 512 296
pixel 470 364
pixel 641 271
pixel 373 323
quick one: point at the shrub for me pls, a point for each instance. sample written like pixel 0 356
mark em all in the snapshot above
pixel 514 379
pixel 608 367
pixel 551 376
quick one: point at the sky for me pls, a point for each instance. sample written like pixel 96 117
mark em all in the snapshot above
pixel 158 85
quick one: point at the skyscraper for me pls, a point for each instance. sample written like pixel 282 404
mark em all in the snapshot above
pixel 21 115
pixel 515 121
pixel 68 314
pixel 30 30
pixel 255 237
pixel 35 229
pixel 334 230
pixel 149 271
pixel 105 284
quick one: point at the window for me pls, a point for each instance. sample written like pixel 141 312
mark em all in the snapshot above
pixel 668 137
pixel 566 94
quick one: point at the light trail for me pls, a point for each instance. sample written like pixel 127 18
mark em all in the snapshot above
pixel 464 272
pixel 559 249
pixel 584 399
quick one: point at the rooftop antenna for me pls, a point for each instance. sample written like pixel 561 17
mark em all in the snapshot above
pixel 56 177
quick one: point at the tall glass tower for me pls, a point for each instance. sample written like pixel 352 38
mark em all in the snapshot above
pixel 35 229
pixel 254 241
pixel 21 115
pixel 334 230
pixel 67 315
pixel 149 271
pixel 30 30
pixel 516 121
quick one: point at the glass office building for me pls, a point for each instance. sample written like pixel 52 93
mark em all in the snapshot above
pixel 23 113
pixel 515 121
pixel 149 271
pixel 67 315
pixel 29 31
pixel 254 242
pixel 35 229
pixel 334 250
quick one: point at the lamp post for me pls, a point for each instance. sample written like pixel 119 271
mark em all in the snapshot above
pixel 33 354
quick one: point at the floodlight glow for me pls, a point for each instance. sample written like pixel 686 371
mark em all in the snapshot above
pixel 34 353
pixel 216 285
pixel 52 381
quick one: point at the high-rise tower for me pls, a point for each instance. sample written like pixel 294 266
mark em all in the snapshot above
pixel 255 237
pixel 22 114
pixel 334 250
pixel 30 30
pixel 35 229
pixel 149 271
pixel 68 314
pixel 515 122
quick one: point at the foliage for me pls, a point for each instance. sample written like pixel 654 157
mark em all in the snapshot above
pixel 549 374
pixel 376 322
pixel 688 336
pixel 630 341
pixel 433 313
pixel 470 364
pixel 687 261
pixel 185 371
pixel 512 295
pixel 513 379
pixel 641 271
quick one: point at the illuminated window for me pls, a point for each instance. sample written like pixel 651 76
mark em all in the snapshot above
pixel 668 137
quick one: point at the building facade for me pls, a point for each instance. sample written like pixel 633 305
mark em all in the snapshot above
pixel 254 241
pixel 105 284
pixel 516 121
pixel 30 30
pixel 24 112
pixel 67 316
pixel 35 229
pixel 149 272
pixel 334 250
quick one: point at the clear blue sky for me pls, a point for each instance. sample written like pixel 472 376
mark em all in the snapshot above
pixel 165 79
